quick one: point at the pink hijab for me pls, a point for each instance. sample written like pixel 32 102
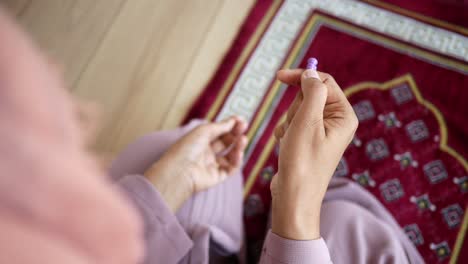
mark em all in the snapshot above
pixel 56 205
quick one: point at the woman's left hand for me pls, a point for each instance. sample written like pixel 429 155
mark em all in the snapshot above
pixel 203 158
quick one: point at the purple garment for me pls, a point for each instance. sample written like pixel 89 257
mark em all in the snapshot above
pixel 208 228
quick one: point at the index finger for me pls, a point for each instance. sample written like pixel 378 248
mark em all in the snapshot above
pixel 293 77
pixel 290 76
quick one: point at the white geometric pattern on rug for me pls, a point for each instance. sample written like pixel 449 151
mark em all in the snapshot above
pixel 267 58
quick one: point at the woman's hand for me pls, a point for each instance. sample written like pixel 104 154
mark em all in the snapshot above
pixel 320 124
pixel 203 158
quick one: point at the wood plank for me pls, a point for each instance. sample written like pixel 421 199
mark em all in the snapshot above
pixel 15 6
pixel 139 66
pixel 69 30
pixel 217 42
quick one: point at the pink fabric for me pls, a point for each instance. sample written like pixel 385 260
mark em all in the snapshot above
pixel 357 226
pixel 165 238
pixel 279 250
pixel 56 205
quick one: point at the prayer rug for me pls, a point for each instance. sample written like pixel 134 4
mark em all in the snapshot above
pixel 404 69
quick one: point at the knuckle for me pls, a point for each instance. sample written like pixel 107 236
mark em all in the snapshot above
pixel 277 130
pixel 328 77
pixel 353 122
pixel 317 87
pixel 320 85
pixel 203 128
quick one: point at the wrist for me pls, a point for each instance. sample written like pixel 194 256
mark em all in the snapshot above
pixel 295 214
pixel 296 224
pixel 171 183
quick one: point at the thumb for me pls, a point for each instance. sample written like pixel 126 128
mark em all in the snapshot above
pixel 315 97
pixel 220 128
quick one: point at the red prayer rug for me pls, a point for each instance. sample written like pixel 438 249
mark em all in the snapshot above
pixel 403 66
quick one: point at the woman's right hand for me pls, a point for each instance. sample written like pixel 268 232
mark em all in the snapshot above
pixel 320 124
pixel 203 158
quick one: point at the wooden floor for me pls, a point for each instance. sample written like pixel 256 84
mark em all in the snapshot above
pixel 143 61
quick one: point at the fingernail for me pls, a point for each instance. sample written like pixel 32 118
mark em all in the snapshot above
pixel 311 74
pixel 311 71
pixel 241 118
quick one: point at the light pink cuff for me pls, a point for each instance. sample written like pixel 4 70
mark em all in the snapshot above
pixel 165 238
pixel 280 250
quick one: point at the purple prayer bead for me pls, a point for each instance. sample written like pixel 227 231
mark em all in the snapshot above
pixel 312 64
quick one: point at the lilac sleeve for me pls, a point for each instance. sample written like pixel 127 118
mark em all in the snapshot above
pixel 166 240
pixel 280 250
